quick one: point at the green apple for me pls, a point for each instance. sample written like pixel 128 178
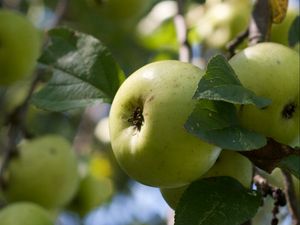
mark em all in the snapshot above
pixel 147 131
pixel 229 163
pixel 24 213
pixel 44 172
pixel 93 192
pixel 20 44
pixel 222 22
pixel 271 70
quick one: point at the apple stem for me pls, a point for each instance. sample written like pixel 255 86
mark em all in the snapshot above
pixel 181 32
pixel 291 197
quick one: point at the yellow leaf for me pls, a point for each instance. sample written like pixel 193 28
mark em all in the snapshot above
pixel 279 9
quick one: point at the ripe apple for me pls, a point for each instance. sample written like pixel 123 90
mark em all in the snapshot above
pixel 93 191
pixel 20 44
pixel 222 21
pixel 271 70
pixel 229 163
pixel 24 213
pixel 147 131
pixel 44 172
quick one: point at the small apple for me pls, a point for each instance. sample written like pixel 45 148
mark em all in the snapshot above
pixel 221 22
pixel 147 131
pixel 20 44
pixel 44 172
pixel 270 70
pixel 24 213
pixel 93 192
pixel 229 163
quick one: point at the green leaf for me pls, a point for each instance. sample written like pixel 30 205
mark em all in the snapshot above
pixel 220 83
pixel 84 72
pixel 216 201
pixel 294 32
pixel 216 122
pixel 292 164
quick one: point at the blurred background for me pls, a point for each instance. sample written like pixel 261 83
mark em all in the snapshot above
pixel 136 32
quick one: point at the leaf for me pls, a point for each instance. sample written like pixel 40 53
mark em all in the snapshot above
pixel 216 122
pixel 294 32
pixel 84 72
pixel 292 164
pixel 220 83
pixel 279 10
pixel 216 201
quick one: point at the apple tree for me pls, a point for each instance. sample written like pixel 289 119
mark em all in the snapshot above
pixel 198 99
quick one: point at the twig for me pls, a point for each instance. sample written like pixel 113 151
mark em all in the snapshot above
pixel 291 197
pixel 16 129
pixel 232 45
pixel 181 32
pixel 261 21
pixel 60 10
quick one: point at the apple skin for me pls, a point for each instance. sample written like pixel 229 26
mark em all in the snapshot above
pixel 229 163
pixel 158 151
pixel 45 172
pixel 24 213
pixel 20 44
pixel 271 70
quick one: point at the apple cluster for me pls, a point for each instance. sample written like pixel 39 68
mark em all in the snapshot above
pixel 44 179
pixel 150 109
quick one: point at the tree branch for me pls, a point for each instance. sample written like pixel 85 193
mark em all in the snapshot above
pixel 291 197
pixel 261 21
pixel 15 122
pixel 181 31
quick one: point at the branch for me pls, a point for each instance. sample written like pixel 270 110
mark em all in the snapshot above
pixel 291 197
pixel 232 45
pixel 261 21
pixel 60 10
pixel 181 32
pixel 16 131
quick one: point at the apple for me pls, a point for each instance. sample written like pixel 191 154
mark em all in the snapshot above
pixel 146 124
pixel 24 213
pixel 221 22
pixel 229 163
pixel 44 172
pixel 93 192
pixel 20 44
pixel 270 70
